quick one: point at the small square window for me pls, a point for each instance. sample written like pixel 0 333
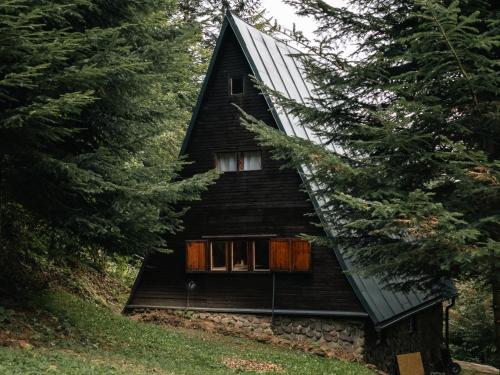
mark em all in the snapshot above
pixel 236 85
pixel 252 161
pixel 226 161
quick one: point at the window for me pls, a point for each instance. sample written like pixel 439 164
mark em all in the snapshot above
pixel 218 255
pixel 251 161
pixel 244 255
pixel 238 161
pixel 240 255
pixel 236 85
pixel 226 161
pixel 261 255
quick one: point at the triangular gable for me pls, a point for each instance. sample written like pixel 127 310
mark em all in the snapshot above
pixel 273 63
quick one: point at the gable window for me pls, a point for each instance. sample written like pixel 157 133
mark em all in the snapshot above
pixel 251 160
pixel 238 161
pixel 236 85
pixel 226 161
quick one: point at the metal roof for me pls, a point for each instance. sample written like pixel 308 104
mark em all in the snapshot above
pixel 276 65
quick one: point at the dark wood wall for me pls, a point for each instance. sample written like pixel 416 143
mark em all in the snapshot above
pixel 267 201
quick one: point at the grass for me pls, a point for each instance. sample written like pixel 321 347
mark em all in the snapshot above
pixel 59 333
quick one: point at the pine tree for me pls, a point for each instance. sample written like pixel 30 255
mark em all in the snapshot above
pixel 413 180
pixel 210 15
pixel 95 97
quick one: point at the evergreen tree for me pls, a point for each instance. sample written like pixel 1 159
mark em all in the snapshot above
pixel 210 15
pixel 95 97
pixel 412 183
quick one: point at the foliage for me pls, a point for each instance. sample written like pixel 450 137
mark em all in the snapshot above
pixel 68 335
pixel 471 324
pixel 95 97
pixel 411 169
pixel 210 15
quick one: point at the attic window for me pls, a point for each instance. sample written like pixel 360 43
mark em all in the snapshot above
pixel 236 85
pixel 238 161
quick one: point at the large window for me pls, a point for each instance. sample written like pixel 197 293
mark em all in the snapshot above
pixel 238 161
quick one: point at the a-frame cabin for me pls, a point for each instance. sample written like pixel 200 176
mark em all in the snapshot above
pixel 240 252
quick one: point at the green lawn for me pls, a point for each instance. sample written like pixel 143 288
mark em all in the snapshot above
pixel 62 334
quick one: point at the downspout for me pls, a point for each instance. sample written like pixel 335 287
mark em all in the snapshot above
pixel 272 301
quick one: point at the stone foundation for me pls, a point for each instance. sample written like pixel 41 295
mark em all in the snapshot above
pixel 329 337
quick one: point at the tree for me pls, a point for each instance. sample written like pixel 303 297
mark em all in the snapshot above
pixel 95 97
pixel 413 180
pixel 210 14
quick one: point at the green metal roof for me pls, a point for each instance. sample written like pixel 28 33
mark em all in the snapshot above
pixel 273 63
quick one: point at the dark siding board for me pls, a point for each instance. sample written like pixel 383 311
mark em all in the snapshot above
pixel 265 201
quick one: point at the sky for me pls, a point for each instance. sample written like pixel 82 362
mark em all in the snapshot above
pixel 285 15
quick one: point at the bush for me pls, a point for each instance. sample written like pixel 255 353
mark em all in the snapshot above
pixel 472 333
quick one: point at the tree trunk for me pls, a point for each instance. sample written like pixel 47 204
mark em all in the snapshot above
pixel 496 314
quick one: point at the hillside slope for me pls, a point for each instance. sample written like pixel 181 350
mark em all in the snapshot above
pixel 57 332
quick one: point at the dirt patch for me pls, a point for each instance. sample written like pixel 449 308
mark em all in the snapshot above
pixel 248 365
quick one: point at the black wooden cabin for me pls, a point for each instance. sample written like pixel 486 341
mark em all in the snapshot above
pixel 240 251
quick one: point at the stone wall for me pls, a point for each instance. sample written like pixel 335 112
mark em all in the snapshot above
pixel 330 337
pixel 421 333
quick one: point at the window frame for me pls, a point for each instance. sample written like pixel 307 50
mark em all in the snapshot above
pixel 226 267
pixel 249 265
pixel 268 269
pixel 230 84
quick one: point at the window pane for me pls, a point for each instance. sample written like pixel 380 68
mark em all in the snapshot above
pixel 261 254
pixel 227 162
pixel 252 161
pixel 218 255
pixel 236 85
pixel 240 259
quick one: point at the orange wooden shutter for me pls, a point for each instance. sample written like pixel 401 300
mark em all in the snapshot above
pixel 280 256
pixel 196 256
pixel 301 255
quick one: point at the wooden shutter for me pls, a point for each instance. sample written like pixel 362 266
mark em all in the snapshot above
pixel 196 256
pixel 280 255
pixel 301 255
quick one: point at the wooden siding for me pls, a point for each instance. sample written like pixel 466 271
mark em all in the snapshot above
pixel 254 202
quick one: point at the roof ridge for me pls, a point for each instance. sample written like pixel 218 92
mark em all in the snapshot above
pixel 230 14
